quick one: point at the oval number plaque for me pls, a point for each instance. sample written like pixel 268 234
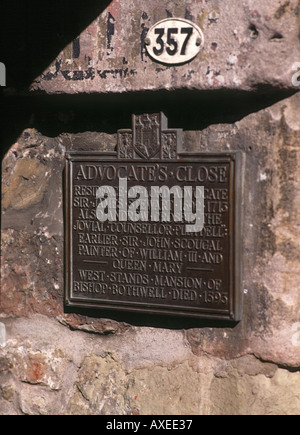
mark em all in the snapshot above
pixel 174 41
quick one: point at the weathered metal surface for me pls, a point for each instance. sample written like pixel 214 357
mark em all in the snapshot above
pixel 137 238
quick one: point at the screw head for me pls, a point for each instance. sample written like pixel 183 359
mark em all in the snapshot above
pixel 148 41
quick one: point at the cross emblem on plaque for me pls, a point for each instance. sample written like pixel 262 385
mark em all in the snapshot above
pixel 150 138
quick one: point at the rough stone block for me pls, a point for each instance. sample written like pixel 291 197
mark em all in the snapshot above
pixel 248 45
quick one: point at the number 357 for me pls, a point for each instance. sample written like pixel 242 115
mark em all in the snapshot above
pixel 172 46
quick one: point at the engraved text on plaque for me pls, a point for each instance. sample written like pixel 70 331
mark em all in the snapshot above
pixel 153 229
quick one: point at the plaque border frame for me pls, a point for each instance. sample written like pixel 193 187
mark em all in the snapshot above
pixel 234 314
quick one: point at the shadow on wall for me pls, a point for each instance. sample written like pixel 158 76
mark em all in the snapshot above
pixel 55 114
pixel 31 36
pixel 33 33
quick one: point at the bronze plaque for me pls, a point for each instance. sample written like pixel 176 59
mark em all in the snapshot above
pixel 150 228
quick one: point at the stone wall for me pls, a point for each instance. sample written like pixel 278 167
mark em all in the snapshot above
pixel 57 362
pixel 241 40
